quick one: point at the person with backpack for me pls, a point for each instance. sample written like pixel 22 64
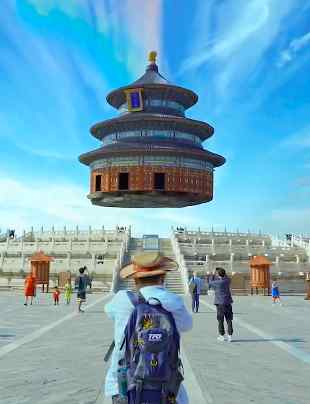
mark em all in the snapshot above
pixel 81 282
pixel 194 286
pixel 145 364
pixel 223 302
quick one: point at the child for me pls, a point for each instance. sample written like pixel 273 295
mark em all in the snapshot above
pixel 56 295
pixel 275 293
pixel 68 292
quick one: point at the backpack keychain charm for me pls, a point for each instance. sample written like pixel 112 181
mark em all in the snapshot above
pixel 122 378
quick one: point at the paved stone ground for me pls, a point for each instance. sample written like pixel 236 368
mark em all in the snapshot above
pixel 52 355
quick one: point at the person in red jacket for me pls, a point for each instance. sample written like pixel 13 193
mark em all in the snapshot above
pixel 56 295
pixel 30 288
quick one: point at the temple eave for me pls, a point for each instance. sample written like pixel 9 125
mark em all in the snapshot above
pixel 199 154
pixel 144 121
pixel 187 97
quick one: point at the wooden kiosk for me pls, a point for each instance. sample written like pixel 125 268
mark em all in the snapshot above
pixel 40 268
pixel 63 278
pixel 260 274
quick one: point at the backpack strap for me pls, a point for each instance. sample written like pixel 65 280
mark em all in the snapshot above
pixel 135 298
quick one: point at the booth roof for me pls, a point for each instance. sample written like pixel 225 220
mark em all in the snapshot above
pixel 260 260
pixel 40 256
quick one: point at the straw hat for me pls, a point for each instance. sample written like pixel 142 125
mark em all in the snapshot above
pixel 148 264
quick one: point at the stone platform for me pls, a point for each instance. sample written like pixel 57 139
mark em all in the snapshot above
pixel 52 355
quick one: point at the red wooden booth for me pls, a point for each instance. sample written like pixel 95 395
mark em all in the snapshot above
pixel 63 278
pixel 40 268
pixel 260 274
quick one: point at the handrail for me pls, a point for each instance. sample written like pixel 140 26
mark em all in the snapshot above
pixel 119 262
pixel 181 262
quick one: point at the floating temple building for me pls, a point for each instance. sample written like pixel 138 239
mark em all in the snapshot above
pixel 151 155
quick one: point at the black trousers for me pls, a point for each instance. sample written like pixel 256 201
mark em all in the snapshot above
pixel 224 311
pixel 195 302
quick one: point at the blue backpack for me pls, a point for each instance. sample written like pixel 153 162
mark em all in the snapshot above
pixel 152 345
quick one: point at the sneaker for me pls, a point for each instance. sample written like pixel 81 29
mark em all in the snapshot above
pixel 229 338
pixel 221 338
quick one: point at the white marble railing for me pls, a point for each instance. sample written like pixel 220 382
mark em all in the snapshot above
pixel 181 262
pixel 200 233
pixel 77 234
pixel 300 241
pixel 119 262
pixel 91 246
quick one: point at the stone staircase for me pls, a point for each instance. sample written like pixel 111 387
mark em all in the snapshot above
pixel 173 281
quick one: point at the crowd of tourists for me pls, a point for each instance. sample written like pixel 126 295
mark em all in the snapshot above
pixel 145 357
pixel 82 281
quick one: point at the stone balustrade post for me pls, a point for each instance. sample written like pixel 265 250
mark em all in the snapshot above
pixel 93 256
pixel 68 261
pixel 22 261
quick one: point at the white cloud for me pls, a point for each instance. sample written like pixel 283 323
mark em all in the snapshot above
pixel 70 7
pixel 242 33
pixel 299 140
pixel 134 33
pixel 295 46
pixel 291 220
pixel 33 203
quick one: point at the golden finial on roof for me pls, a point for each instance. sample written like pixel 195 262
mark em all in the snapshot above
pixel 152 56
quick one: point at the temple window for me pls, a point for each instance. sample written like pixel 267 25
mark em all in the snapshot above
pixel 123 181
pixel 159 181
pixel 98 183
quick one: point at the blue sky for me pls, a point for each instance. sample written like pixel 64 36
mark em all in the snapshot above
pixel 249 61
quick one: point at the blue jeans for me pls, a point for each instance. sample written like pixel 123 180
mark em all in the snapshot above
pixel 195 302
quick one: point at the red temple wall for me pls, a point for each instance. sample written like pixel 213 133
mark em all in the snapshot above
pixel 141 178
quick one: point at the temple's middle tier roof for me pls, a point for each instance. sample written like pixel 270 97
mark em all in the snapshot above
pixel 144 121
pixel 159 148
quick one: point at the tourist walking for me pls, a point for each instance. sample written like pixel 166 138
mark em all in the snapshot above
pixel 194 286
pixel 275 293
pixel 56 295
pixel 143 315
pixel 68 291
pixel 81 282
pixel 30 288
pixel 223 302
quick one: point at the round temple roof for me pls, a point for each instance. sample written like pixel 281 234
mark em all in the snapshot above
pixel 143 120
pixel 153 81
pixel 138 148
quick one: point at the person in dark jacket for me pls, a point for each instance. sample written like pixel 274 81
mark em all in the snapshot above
pixel 195 285
pixel 223 302
pixel 81 285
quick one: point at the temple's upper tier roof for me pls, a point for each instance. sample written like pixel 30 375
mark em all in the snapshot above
pixel 153 82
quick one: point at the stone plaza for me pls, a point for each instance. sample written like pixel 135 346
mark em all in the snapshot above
pixel 52 355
